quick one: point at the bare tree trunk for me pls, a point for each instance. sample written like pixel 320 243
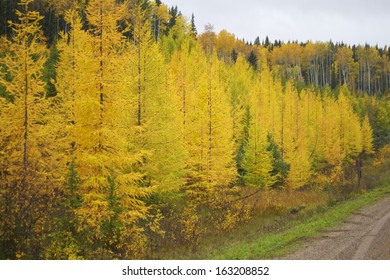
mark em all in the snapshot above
pixel 210 126
pixel 359 165
pixel 25 123
pixel 139 81
pixel 101 86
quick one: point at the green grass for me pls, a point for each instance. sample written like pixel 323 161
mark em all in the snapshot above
pixel 272 245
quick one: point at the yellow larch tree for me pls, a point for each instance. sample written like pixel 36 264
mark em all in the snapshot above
pixel 209 140
pixel 187 79
pixel 76 66
pixel 272 116
pixel 211 148
pixel 193 110
pixel 220 168
pixel 315 127
pixel 367 138
pixel 93 81
pixel 330 132
pixel 30 141
pixel 240 83
pixel 341 137
pixel 295 139
pixel 350 135
pixel 258 161
pixel 157 116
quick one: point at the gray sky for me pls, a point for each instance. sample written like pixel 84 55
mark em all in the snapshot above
pixel 351 21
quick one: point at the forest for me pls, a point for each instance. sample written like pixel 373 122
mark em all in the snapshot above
pixel 125 133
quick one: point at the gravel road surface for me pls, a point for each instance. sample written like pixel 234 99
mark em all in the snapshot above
pixel 363 236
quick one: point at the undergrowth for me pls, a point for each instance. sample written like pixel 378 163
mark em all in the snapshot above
pixel 281 219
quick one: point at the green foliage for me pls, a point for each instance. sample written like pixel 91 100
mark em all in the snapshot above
pixel 194 32
pixel 257 41
pixel 243 146
pixel 257 161
pixel 378 111
pixel 64 240
pixel 49 72
pixel 280 168
pixel 252 59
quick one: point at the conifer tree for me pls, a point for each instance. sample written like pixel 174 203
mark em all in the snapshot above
pixel 367 139
pixel 296 149
pixel 240 82
pixel 157 115
pixel 30 141
pixel 194 32
pixel 280 168
pixel 258 162
pixel 330 134
pixel 100 120
pixel 252 59
pixel 220 168
pixel 208 124
pixel 350 135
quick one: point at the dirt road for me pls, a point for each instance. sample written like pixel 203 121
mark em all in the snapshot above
pixel 365 235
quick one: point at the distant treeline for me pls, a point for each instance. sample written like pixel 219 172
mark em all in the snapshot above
pixel 363 68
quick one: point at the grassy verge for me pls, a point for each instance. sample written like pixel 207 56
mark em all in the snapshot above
pixel 272 245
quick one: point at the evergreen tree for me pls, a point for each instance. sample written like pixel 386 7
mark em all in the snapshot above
pixel 174 13
pixel 252 59
pixel 257 41
pixel 266 42
pixel 49 73
pixel 240 83
pixel 280 168
pixel 194 32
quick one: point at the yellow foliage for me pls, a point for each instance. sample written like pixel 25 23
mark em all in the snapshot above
pixel 93 83
pixel 229 221
pixel 367 138
pixel 382 155
pixel 31 142
pixel 192 228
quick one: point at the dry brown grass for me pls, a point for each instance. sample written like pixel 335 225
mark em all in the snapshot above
pixel 271 202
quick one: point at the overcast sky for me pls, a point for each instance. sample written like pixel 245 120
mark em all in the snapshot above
pixel 350 21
